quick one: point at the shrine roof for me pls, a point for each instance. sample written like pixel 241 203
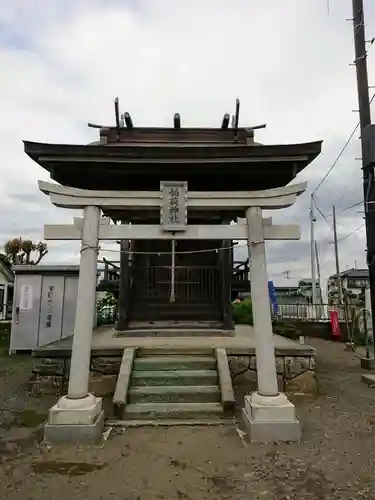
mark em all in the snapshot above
pixel 139 158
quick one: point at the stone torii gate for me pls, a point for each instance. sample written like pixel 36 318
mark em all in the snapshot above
pixel 268 414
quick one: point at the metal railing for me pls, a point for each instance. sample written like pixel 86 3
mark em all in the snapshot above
pixel 110 271
pixel 309 312
pixel 5 312
pixel 240 270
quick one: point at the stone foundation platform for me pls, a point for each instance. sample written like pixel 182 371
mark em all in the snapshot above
pixel 296 374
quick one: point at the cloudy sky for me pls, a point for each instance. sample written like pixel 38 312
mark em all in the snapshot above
pixel 63 61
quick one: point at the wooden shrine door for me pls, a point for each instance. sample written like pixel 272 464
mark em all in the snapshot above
pixel 186 290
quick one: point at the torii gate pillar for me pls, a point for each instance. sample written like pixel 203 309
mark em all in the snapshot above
pixel 268 414
pixel 78 416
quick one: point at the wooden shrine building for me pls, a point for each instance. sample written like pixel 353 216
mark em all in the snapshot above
pixel 170 196
pixel 171 279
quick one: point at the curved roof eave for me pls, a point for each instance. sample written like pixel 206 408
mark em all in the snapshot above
pixel 191 152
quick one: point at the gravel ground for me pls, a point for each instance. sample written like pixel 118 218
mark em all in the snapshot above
pixel 335 461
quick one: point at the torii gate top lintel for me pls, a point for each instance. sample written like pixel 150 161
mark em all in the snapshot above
pixel 67 197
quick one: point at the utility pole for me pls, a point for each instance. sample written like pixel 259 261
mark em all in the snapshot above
pixel 367 160
pixel 317 261
pixel 313 255
pixel 318 271
pixel 338 277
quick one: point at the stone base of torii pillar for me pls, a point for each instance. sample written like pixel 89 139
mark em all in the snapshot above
pixel 268 415
pixel 75 421
pixel 270 419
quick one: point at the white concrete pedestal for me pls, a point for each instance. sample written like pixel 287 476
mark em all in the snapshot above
pixel 270 419
pixel 75 420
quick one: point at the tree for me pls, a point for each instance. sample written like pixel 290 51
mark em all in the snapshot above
pixel 20 251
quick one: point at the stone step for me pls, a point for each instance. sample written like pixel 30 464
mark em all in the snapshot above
pixel 172 363
pixel 176 332
pixel 172 422
pixel 175 394
pixel 203 313
pixel 149 411
pixel 174 351
pixel 179 377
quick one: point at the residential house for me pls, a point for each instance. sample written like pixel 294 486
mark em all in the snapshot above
pixel 353 283
pixel 305 290
pixel 288 295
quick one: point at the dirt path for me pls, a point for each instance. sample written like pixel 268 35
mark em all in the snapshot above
pixel 335 461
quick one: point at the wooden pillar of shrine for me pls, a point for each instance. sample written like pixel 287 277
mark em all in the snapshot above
pixel 226 277
pixel 124 286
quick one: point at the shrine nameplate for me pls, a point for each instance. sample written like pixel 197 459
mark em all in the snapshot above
pixel 173 207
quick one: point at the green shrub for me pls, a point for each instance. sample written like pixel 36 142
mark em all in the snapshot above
pixel 108 300
pixel 4 335
pixel 243 312
pixel 285 329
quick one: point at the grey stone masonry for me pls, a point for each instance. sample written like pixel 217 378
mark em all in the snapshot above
pixel 295 373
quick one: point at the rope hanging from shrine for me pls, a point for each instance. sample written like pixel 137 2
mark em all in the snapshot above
pixel 172 297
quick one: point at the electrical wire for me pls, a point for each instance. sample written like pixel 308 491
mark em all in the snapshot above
pixel 340 153
pixel 330 227
pixel 352 206
pixel 323 255
pixel 322 214
pixel 351 234
pixel 353 187
pixel 358 124
pixel 338 157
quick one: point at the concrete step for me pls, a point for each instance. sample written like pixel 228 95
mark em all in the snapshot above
pixel 368 379
pixel 165 411
pixel 176 332
pixel 179 377
pixel 201 314
pixel 169 324
pixel 172 363
pixel 174 351
pixel 172 422
pixel 175 394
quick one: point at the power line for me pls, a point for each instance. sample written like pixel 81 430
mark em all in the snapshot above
pixel 352 206
pixel 322 214
pixel 341 152
pixel 323 255
pixel 330 227
pixel 337 159
pixel 323 246
pixel 340 223
pixel 353 187
pixel 350 136
pixel 353 232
